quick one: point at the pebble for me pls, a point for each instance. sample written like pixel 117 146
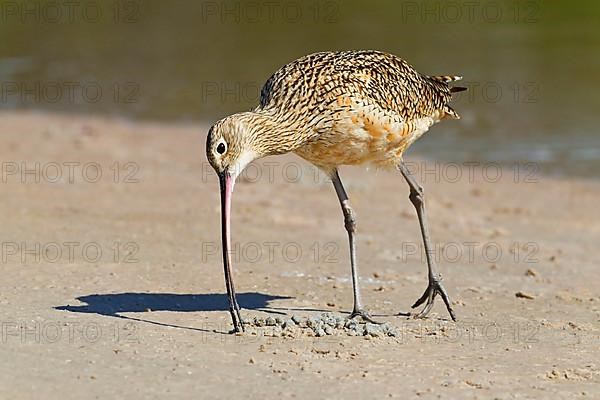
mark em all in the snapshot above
pixel 290 323
pixel 531 272
pixel 325 324
pixel 523 295
pixel 373 330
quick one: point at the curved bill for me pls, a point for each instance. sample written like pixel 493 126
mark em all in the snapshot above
pixel 227 181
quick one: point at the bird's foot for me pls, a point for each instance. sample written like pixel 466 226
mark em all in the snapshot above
pixel 236 318
pixel 360 313
pixel 433 289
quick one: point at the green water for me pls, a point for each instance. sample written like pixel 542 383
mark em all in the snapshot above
pixel 532 67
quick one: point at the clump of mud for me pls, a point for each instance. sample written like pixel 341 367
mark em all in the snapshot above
pixel 325 324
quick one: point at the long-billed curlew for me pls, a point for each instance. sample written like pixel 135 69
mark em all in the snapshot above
pixel 332 109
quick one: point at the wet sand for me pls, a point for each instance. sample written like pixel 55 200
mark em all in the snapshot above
pixel 112 281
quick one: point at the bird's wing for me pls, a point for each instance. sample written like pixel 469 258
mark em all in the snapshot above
pixel 316 85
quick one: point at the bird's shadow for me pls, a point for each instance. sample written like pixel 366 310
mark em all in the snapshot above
pixel 114 304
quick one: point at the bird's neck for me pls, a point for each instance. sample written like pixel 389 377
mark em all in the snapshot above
pixel 274 133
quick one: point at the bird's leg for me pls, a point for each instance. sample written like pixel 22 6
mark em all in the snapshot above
pixel 435 285
pixel 350 223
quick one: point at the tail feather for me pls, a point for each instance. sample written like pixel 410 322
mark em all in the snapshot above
pixel 450 78
pixel 449 111
pixel 456 89
pixel 446 78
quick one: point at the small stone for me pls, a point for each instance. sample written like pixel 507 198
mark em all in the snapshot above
pixel 372 330
pixel 530 272
pixel 523 295
pixel 289 332
pixel 328 330
pixel 350 324
pixel 320 332
pixel 270 321
pixel 289 324
pixel 321 325
pixel 359 329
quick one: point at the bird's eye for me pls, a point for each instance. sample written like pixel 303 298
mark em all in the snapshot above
pixel 221 148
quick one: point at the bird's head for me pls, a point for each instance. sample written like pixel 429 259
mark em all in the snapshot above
pixel 229 145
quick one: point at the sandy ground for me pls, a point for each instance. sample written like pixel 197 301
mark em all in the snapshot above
pixel 112 285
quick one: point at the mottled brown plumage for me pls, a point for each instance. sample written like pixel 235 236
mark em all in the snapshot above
pixel 333 109
pixel 315 82
pixel 338 108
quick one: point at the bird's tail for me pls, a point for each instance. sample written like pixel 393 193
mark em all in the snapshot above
pixel 453 89
pixel 448 79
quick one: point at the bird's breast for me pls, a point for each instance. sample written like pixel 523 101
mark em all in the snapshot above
pixel 366 135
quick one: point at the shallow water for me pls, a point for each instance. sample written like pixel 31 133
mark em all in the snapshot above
pixel 532 67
